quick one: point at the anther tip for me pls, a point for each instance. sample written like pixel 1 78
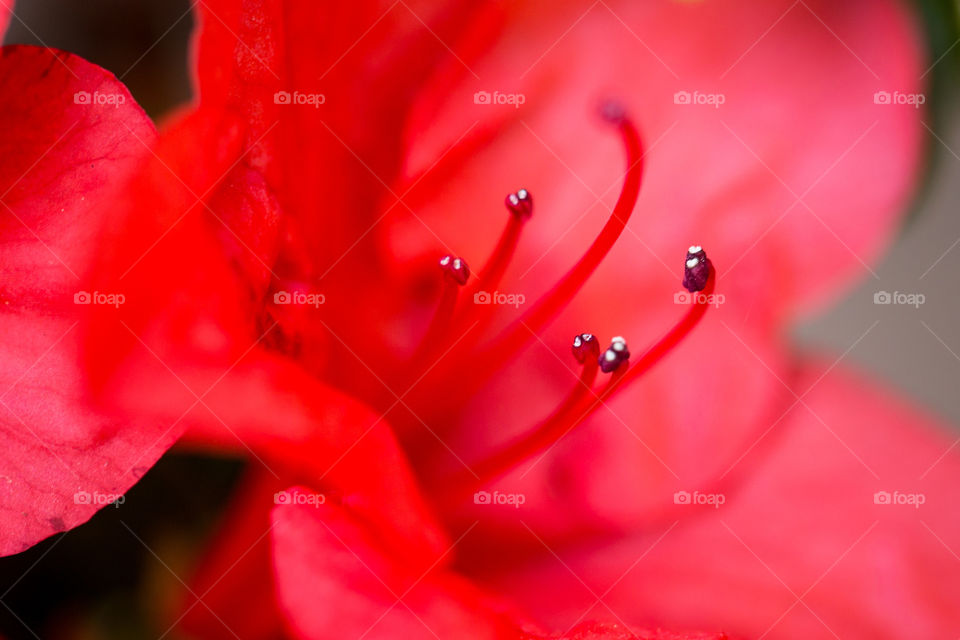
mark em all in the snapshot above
pixel 613 111
pixel 520 203
pixel 696 269
pixel 585 346
pixel 455 268
pixel 615 355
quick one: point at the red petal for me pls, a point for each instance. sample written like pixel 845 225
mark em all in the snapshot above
pixel 691 417
pixel 190 346
pixel 5 10
pixel 61 155
pixel 335 580
pixel 292 427
pixel 322 555
pixel 367 62
pixel 799 83
pixel 233 590
pixel 230 183
pixel 327 168
pixel 805 525
pixel 600 631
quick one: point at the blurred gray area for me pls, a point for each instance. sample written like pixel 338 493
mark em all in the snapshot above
pixel 914 347
pixel 917 349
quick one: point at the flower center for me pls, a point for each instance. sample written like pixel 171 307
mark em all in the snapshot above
pixel 452 341
pixel 583 399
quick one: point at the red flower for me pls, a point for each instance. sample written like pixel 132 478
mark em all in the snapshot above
pixel 61 158
pixel 334 155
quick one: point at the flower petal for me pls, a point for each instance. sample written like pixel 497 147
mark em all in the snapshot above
pixel 198 343
pixel 323 557
pixel 609 472
pixel 67 139
pixel 322 93
pixel 848 525
pixel 799 117
pixel 5 10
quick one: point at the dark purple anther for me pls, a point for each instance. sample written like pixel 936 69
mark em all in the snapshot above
pixel 615 355
pixel 455 268
pixel 585 346
pixel 520 204
pixel 696 270
pixel 613 112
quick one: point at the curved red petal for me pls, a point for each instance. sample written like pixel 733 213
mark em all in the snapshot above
pixel 68 137
pixel 5 10
pixel 614 631
pixel 798 155
pixel 322 555
pixel 848 526
pixel 613 471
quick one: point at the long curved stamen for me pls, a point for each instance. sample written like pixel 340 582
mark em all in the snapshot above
pixel 700 280
pixel 470 320
pixel 519 333
pixel 663 346
pixel 586 350
pixel 456 273
pixel 520 206
pixel 579 406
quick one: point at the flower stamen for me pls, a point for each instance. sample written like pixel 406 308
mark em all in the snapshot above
pixel 517 335
pixel 456 273
pixel 520 206
pixel 583 401
pixel 615 355
pixel 663 346
pixel 548 432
